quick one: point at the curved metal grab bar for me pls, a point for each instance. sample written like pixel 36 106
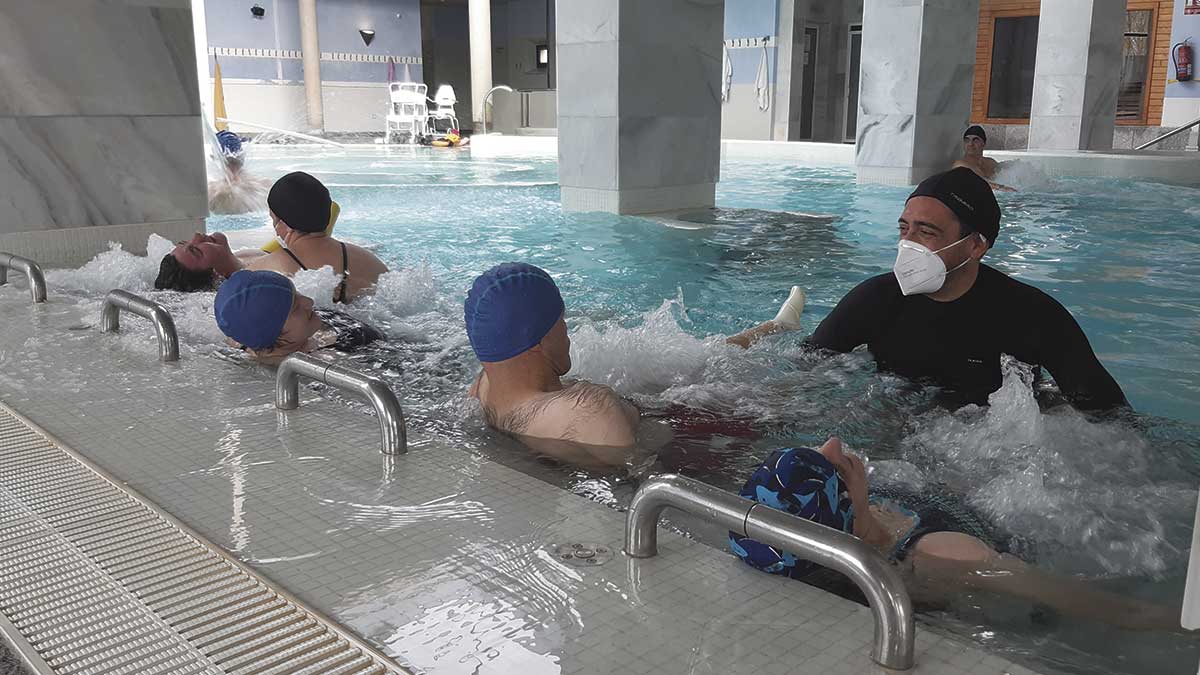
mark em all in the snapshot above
pixel 37 280
pixel 164 326
pixel 894 628
pixel 394 435
pixel 499 87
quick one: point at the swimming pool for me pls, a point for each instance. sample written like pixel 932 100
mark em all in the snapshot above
pixel 647 303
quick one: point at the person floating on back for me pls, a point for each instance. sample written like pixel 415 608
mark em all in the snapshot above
pixel 945 548
pixel 943 316
pixel 263 313
pixel 301 214
pixel 514 317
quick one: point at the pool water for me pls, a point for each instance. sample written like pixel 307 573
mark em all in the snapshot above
pixel 648 305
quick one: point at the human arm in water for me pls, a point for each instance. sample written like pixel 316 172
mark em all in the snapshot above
pixel 1063 349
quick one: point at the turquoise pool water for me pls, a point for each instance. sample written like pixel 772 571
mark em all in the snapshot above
pixel 647 304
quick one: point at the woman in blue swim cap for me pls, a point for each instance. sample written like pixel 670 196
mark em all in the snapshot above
pixel 942 547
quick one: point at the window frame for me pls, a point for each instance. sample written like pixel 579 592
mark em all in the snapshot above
pixel 987 81
pixel 1153 7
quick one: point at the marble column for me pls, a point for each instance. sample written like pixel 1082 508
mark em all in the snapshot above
pixel 479 18
pixel 1077 75
pixel 310 53
pixel 100 136
pixel 200 36
pixel 639 104
pixel 918 69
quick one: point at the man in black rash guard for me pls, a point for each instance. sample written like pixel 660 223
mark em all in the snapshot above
pixel 943 316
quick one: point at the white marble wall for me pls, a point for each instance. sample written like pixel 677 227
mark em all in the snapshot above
pixel 1077 75
pixel 918 65
pixel 99 125
pixel 639 109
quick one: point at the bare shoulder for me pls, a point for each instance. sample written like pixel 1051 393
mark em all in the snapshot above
pixel 583 412
pixel 363 256
pixel 277 261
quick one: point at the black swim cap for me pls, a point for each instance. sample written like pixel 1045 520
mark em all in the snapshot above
pixel 301 202
pixel 975 130
pixel 968 196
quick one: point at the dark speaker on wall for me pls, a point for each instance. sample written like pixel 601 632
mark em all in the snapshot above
pixel 258 12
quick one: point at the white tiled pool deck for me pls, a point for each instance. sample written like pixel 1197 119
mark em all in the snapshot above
pixel 439 557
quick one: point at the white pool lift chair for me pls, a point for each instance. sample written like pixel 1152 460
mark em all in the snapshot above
pixel 408 113
pixel 444 99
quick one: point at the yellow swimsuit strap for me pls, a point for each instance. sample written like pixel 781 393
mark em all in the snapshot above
pixel 334 211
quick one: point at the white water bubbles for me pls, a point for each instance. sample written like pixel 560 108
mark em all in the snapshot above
pixel 115 268
pixel 1080 488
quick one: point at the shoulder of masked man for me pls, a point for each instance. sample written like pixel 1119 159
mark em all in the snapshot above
pixel 858 316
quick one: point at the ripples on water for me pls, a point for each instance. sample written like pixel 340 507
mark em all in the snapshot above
pixel 648 307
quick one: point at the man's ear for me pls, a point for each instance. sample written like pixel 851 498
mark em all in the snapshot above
pixel 979 246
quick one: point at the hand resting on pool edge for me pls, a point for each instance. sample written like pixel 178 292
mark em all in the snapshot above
pixel 514 320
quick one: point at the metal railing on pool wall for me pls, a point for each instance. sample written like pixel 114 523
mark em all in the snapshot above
pixel 895 631
pixel 393 433
pixel 37 281
pixel 118 301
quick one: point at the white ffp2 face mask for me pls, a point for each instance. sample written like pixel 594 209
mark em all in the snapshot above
pixel 920 270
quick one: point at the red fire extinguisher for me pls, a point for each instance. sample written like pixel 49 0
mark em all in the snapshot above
pixel 1181 55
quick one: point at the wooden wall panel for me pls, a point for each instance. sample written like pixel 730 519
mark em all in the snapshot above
pixel 989 10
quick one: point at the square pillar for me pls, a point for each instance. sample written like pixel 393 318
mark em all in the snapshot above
pixel 639 104
pixel 1077 75
pixel 918 69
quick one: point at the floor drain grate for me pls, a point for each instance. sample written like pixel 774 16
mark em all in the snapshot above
pixel 95 579
pixel 581 554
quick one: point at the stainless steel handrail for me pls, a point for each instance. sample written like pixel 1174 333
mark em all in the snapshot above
pixel 118 301
pixel 394 435
pixel 895 631
pixel 499 87
pixel 37 280
pixel 1169 134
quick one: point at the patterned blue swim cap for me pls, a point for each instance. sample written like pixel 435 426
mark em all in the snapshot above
pixel 231 143
pixel 509 309
pixel 803 483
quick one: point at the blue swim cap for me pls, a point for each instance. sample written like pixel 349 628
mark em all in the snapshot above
pixel 231 143
pixel 803 483
pixel 510 308
pixel 251 307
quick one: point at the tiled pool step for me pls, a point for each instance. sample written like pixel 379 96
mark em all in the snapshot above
pixel 97 580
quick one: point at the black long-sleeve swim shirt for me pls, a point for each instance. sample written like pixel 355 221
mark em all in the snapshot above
pixel 957 344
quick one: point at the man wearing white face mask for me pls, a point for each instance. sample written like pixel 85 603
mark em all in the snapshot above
pixel 943 316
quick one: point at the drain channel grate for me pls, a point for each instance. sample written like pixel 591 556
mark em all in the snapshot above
pixel 98 581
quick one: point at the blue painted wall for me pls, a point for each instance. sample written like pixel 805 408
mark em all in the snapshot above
pixel 397 25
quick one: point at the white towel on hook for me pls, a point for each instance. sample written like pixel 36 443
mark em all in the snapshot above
pixel 762 83
pixel 726 72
